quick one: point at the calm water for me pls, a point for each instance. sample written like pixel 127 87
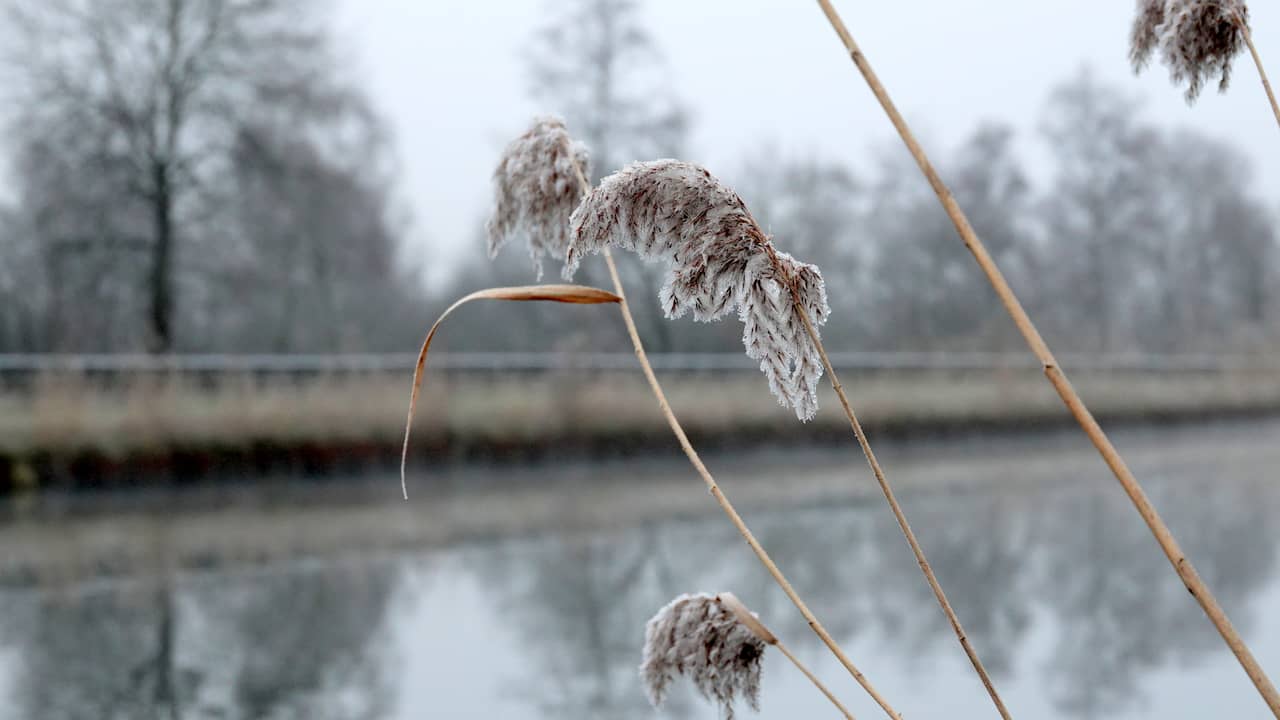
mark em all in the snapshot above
pixel 1062 589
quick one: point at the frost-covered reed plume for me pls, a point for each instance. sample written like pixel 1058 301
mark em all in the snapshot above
pixel 715 642
pixel 536 186
pixel 1145 35
pixel 1197 40
pixel 696 637
pixel 719 261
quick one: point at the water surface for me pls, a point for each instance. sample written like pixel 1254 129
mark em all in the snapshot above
pixel 1062 589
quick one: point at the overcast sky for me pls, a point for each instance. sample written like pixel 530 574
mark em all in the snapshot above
pixel 448 76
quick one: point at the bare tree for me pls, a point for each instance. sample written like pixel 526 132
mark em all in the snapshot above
pixel 595 64
pixel 913 239
pixel 1211 246
pixel 1099 202
pixel 309 245
pixel 1156 236
pixel 23 291
pixel 156 92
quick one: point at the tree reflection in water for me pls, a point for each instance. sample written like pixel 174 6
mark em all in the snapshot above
pixel 304 640
pixel 1121 612
pixel 302 643
pixel 579 605
pixel 1073 559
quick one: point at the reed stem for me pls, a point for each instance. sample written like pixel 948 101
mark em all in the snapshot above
pixel 1262 73
pixel 766 635
pixel 714 489
pixel 902 518
pixel 813 679
pixel 1056 377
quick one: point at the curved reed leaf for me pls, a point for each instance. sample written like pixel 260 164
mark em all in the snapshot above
pixel 574 294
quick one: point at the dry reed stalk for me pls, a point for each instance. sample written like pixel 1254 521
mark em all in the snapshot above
pixel 1262 73
pixel 1058 379
pixel 748 618
pixel 718 644
pixel 572 294
pixel 720 260
pixel 723 501
pixel 552 170
pixel 898 515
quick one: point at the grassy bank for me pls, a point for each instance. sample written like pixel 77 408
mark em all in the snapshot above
pixel 65 428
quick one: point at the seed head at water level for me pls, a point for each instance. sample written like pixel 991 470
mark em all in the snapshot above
pixel 1196 39
pixel 699 638
pixel 536 186
pixel 718 261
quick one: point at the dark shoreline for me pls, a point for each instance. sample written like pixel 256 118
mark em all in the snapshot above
pixel 181 467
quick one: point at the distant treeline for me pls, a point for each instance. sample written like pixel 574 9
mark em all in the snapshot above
pixel 202 177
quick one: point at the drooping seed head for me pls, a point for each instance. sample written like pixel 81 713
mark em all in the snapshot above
pixel 1198 39
pixel 1145 35
pixel 698 637
pixel 719 261
pixel 536 188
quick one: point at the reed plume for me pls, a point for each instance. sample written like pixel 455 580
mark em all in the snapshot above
pixel 534 151
pixel 719 645
pixel 535 189
pixel 1198 40
pixel 1145 35
pixel 1056 377
pixel 696 637
pixel 719 261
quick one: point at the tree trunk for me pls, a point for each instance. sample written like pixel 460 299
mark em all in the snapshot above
pixel 166 694
pixel 1101 295
pixel 161 279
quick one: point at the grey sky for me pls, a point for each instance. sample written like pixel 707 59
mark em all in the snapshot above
pixel 448 75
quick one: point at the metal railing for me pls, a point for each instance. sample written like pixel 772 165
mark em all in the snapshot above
pixel 25 364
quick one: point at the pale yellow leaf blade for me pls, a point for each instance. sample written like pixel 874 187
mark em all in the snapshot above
pixel 573 294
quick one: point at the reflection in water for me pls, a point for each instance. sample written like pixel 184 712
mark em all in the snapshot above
pixel 104 655
pixel 1077 562
pixel 1122 612
pixel 575 602
pixel 301 644
pixel 1064 592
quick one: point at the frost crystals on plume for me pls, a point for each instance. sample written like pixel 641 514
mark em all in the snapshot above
pixel 719 261
pixel 1197 39
pixel 697 637
pixel 536 188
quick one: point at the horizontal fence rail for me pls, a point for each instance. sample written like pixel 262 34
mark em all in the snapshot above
pixel 26 364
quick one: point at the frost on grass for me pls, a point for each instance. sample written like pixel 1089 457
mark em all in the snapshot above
pixel 1196 39
pixel 535 189
pixel 697 637
pixel 719 261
